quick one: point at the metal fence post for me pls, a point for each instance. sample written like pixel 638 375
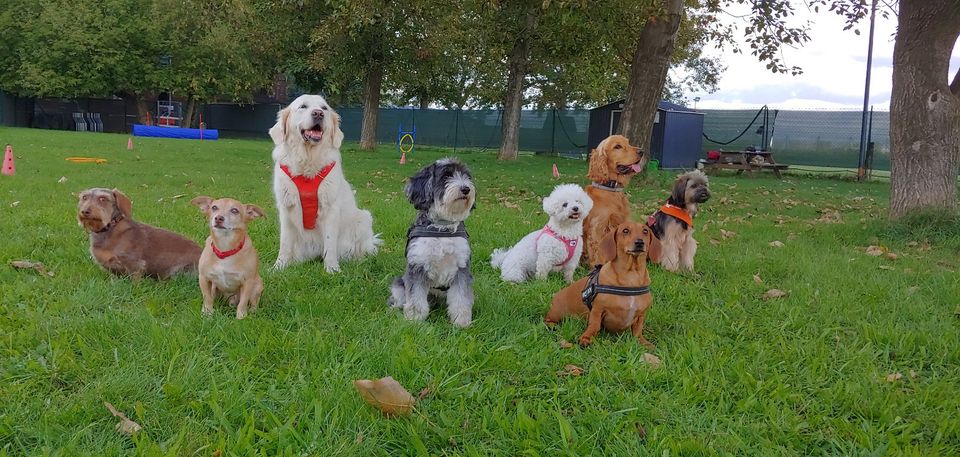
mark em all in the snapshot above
pixel 553 132
pixel 456 128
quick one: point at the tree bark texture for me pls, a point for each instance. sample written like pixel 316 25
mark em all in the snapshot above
pixel 519 64
pixel 648 74
pixel 371 106
pixel 189 112
pixel 924 109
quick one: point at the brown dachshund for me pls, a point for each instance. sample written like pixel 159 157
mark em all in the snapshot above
pixel 612 164
pixel 617 296
pixel 124 246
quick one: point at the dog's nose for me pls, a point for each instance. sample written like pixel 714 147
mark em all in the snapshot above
pixel 638 244
pixel 576 209
pixel 465 190
pixel 317 114
pixel 85 213
pixel 218 219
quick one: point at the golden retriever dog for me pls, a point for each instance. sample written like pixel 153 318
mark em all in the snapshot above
pixel 318 211
pixel 673 222
pixel 124 246
pixel 612 164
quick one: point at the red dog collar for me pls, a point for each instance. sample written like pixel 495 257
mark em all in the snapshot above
pixel 677 212
pixel 225 254
pixel 307 188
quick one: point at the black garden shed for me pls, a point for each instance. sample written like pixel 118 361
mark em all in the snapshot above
pixel 677 139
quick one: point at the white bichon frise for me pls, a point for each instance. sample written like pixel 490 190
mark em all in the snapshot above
pixel 555 247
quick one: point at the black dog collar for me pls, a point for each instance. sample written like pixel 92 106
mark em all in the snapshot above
pixel 110 225
pixel 593 288
pixel 432 231
pixel 611 186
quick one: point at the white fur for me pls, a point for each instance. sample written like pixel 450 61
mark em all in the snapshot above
pixel 343 231
pixel 533 257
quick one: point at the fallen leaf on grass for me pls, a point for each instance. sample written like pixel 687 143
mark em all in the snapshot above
pixel 424 392
pixel 830 216
pixel 570 370
pixel 756 279
pixel 652 360
pixel 714 242
pixel 776 244
pixel 176 196
pixel 875 251
pixel 913 289
pixel 887 267
pixel 727 234
pixel 773 293
pixel 891 256
pixel 30 265
pixel 15 204
pixel 386 394
pixel 62 179
pixel 125 426
pixel 641 432
pixel 894 377
pixel 564 344
pixel 217 453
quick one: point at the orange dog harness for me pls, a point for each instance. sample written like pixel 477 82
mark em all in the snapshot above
pixel 676 212
pixel 307 188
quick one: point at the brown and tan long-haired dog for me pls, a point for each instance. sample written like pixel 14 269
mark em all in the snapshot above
pixel 619 300
pixel 673 222
pixel 612 164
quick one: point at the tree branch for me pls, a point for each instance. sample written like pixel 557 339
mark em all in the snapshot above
pixel 955 85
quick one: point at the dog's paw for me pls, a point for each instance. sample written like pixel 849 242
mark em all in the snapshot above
pixel 585 341
pixel 241 314
pixel 207 311
pixel 279 265
pixel 415 314
pixel 462 320
pixel 332 268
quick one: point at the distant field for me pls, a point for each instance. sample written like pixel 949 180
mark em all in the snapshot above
pixel 806 374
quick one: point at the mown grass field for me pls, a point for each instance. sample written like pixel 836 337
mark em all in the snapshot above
pixel 800 375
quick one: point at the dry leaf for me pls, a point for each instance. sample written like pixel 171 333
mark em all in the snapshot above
pixel 652 360
pixel 564 344
pixel 30 265
pixel 830 216
pixel 887 267
pixel 875 251
pixel 756 279
pixel 125 425
pixel 913 374
pixel 217 453
pixel 641 432
pixel 727 234
pixel 894 377
pixel 773 293
pixel 776 244
pixel 386 394
pixel 176 196
pixel 913 289
pixel 424 392
pixel 912 244
pixel 714 242
pixel 62 179
pixel 15 204
pixel 571 370
pixel 891 256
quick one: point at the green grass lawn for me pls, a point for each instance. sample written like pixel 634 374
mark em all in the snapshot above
pixel 799 375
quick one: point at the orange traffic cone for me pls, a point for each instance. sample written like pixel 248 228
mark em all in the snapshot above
pixel 8 168
pixel 129 143
pixel 556 173
pixel 403 158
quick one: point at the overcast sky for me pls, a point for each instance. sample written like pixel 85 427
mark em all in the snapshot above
pixel 833 62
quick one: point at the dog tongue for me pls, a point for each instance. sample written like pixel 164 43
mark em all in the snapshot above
pixel 636 168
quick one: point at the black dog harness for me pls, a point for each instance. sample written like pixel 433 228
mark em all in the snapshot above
pixel 594 288
pixel 431 231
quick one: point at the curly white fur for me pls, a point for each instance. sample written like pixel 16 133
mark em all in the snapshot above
pixel 538 254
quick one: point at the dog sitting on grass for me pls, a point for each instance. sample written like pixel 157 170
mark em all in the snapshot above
pixel 126 247
pixel 438 250
pixel 673 222
pixel 555 247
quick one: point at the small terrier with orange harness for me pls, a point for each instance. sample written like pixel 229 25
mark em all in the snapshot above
pixel 229 265
pixel 672 224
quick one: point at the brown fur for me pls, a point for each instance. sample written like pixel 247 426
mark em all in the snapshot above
pixel 127 247
pixel 627 267
pixel 610 209
pixel 236 276
pixel 676 237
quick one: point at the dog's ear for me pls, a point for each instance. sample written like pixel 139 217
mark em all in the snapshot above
pixel 337 137
pixel 252 212
pixel 597 169
pixel 549 204
pixel 202 202
pixel 608 247
pixel 419 188
pixel 123 203
pixel 279 130
pixel 653 247
pixel 678 196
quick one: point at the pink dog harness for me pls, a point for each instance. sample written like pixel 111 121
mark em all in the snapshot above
pixel 570 244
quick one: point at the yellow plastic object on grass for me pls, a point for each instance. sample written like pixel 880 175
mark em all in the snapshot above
pixel 86 160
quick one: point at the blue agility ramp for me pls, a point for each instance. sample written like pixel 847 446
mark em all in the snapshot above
pixel 169 132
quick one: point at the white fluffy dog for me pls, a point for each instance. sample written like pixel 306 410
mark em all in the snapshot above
pixel 555 247
pixel 318 211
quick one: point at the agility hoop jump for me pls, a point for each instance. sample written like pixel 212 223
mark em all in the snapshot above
pixel 406 141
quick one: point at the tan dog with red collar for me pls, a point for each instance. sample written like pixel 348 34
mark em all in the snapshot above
pixel 619 294
pixel 229 265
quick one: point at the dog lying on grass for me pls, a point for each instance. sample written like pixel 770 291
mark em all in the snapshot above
pixel 126 247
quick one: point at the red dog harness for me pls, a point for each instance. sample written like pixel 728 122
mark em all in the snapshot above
pixel 307 188
pixel 224 254
pixel 673 211
pixel 570 244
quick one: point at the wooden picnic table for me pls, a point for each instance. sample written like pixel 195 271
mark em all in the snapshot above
pixel 746 161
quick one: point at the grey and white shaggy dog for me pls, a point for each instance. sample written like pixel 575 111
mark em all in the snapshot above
pixel 438 250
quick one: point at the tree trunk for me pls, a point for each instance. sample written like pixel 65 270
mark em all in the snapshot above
pixel 424 102
pixel 924 109
pixel 143 111
pixel 189 112
pixel 519 63
pixel 648 74
pixel 371 106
